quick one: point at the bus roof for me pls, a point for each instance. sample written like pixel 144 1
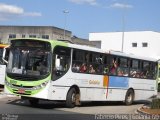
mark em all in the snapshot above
pixel 112 52
pixel 119 53
pixel 88 48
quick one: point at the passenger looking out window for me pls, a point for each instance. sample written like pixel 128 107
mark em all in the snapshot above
pixel 113 67
pixel 83 68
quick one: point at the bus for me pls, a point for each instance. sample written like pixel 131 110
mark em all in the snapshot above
pixel 55 70
pixel 2 63
pixel 158 80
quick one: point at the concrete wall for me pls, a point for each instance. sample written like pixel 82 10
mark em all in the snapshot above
pixel 113 41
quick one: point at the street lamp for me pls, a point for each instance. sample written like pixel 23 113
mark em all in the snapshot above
pixel 65 22
pixel 1 35
pixel 123 28
pixel 123 25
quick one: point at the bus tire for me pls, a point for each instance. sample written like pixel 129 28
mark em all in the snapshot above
pixel 129 97
pixel 34 102
pixel 71 98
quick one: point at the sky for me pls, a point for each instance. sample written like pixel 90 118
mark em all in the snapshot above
pixel 82 17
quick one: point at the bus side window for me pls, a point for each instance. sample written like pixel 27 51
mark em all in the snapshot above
pixel 133 68
pixel 78 61
pixel 123 68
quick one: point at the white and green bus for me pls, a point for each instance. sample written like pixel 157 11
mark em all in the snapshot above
pixel 158 80
pixel 60 71
pixel 2 63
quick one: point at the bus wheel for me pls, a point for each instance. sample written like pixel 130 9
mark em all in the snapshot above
pixel 71 98
pixel 34 102
pixel 129 97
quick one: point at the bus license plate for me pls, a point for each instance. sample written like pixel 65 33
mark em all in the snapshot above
pixel 22 91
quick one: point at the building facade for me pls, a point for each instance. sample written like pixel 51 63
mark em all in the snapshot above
pixel 46 32
pixel 81 41
pixel 142 43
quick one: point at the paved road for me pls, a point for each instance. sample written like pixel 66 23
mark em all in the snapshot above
pixel 47 109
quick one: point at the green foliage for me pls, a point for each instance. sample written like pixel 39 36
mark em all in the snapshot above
pixel 155 103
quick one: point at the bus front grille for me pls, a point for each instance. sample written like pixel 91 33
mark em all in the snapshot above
pixel 15 91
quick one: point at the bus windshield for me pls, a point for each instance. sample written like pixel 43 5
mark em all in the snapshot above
pixel 24 60
pixel 1 53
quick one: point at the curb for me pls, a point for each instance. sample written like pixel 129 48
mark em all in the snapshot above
pixel 142 112
pixel 146 115
pixel 139 111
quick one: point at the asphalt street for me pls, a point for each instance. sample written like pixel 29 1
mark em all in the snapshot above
pixel 12 107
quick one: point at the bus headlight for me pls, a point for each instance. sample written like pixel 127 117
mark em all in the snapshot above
pixel 40 86
pixel 7 83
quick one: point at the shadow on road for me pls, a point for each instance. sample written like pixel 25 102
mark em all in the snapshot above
pixel 110 103
pixel 51 104
pixel 42 104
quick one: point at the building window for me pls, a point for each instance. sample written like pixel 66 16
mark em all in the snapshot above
pixel 145 44
pixel 134 44
pixel 12 35
pixel 32 36
pixel 23 36
pixel 45 36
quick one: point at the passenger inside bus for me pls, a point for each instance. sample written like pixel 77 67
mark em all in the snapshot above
pixel 75 68
pixel 113 67
pixel 42 68
pixel 91 69
pixel 83 68
pixel 106 69
pixel 120 72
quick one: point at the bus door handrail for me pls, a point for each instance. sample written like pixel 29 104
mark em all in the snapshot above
pixel 4 53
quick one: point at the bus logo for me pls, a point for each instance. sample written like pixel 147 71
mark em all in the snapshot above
pixel 94 82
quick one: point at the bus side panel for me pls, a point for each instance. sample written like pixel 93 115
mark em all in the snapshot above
pixel 57 92
pixel 120 82
pixel 117 88
pixel 143 88
pixel 116 94
pixel 94 94
pixel 87 85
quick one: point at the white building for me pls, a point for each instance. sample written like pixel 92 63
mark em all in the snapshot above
pixel 143 43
